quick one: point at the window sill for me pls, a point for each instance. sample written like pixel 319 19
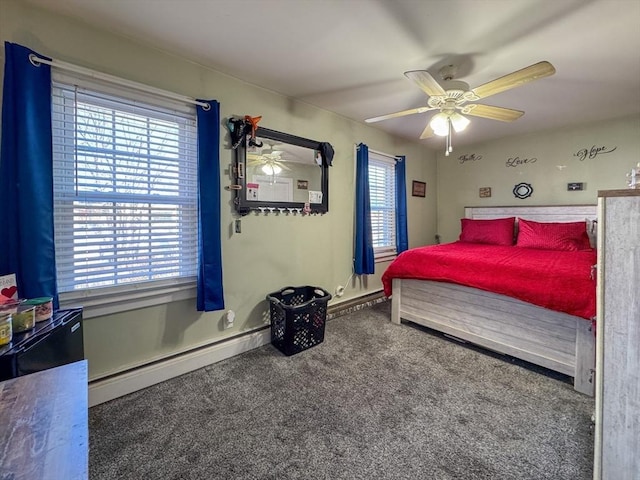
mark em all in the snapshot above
pixel 385 258
pixel 107 301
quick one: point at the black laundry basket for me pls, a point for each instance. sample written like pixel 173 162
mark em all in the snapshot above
pixel 298 317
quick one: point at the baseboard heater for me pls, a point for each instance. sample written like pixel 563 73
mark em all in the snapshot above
pixel 355 304
pixel 117 385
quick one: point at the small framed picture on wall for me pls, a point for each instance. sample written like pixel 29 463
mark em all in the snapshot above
pixel 419 189
pixel 485 192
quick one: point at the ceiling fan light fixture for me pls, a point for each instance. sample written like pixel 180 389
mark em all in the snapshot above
pixel 459 122
pixel 271 169
pixel 440 124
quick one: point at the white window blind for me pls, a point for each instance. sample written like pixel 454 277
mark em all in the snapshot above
pixel 382 193
pixel 125 186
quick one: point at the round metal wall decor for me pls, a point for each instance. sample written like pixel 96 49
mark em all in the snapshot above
pixel 523 190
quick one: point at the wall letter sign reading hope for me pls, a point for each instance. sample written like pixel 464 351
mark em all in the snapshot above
pixel 592 153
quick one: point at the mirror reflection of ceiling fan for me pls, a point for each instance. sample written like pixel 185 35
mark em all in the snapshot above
pixel 451 98
pixel 271 160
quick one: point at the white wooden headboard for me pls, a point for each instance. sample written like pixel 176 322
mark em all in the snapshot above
pixel 548 213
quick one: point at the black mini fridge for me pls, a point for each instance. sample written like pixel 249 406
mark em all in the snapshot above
pixel 49 344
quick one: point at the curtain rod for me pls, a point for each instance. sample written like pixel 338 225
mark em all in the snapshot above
pixel 395 157
pixel 35 60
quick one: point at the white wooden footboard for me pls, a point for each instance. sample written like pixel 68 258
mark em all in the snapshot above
pixel 554 340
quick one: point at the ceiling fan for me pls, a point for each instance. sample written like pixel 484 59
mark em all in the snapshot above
pixel 451 97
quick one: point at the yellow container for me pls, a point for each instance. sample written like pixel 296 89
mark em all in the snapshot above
pixel 6 328
pixel 24 319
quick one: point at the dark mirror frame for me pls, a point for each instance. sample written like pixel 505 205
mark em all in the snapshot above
pixel 244 206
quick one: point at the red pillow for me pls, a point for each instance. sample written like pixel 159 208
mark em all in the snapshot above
pixel 494 232
pixel 570 236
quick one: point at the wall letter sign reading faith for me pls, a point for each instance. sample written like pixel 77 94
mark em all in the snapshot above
pixel 593 152
pixel 469 158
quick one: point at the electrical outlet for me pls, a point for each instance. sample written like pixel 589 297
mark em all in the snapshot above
pixel 230 317
pixel 339 291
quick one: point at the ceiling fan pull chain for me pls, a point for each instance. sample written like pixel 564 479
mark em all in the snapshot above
pixel 448 142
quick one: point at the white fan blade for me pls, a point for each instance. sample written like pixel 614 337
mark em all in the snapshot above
pixel 494 113
pixel 427 132
pixel 399 114
pixel 515 79
pixel 426 82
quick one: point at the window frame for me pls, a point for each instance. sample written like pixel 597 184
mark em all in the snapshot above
pixel 388 162
pixel 107 300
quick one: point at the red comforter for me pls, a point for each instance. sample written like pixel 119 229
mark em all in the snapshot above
pixel 556 280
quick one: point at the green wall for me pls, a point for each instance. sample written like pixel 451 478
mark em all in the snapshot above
pixel 556 164
pixel 272 251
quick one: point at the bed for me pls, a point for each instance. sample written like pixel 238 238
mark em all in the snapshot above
pixel 563 341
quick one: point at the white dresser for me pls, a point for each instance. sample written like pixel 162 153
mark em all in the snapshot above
pixel 617 429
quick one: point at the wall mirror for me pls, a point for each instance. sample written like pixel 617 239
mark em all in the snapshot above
pixel 286 174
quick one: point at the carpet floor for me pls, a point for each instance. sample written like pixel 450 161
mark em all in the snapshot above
pixel 373 401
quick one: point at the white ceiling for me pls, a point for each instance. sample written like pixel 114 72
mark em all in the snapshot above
pixel 348 56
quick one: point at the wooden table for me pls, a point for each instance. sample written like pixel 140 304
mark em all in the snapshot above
pixel 44 430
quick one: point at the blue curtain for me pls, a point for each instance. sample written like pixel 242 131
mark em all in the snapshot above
pixel 26 175
pixel 364 261
pixel 402 238
pixel 209 287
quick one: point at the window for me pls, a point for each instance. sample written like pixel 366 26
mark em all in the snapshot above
pixel 125 188
pixel 382 193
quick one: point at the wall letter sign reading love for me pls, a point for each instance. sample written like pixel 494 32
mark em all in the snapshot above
pixel 517 161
